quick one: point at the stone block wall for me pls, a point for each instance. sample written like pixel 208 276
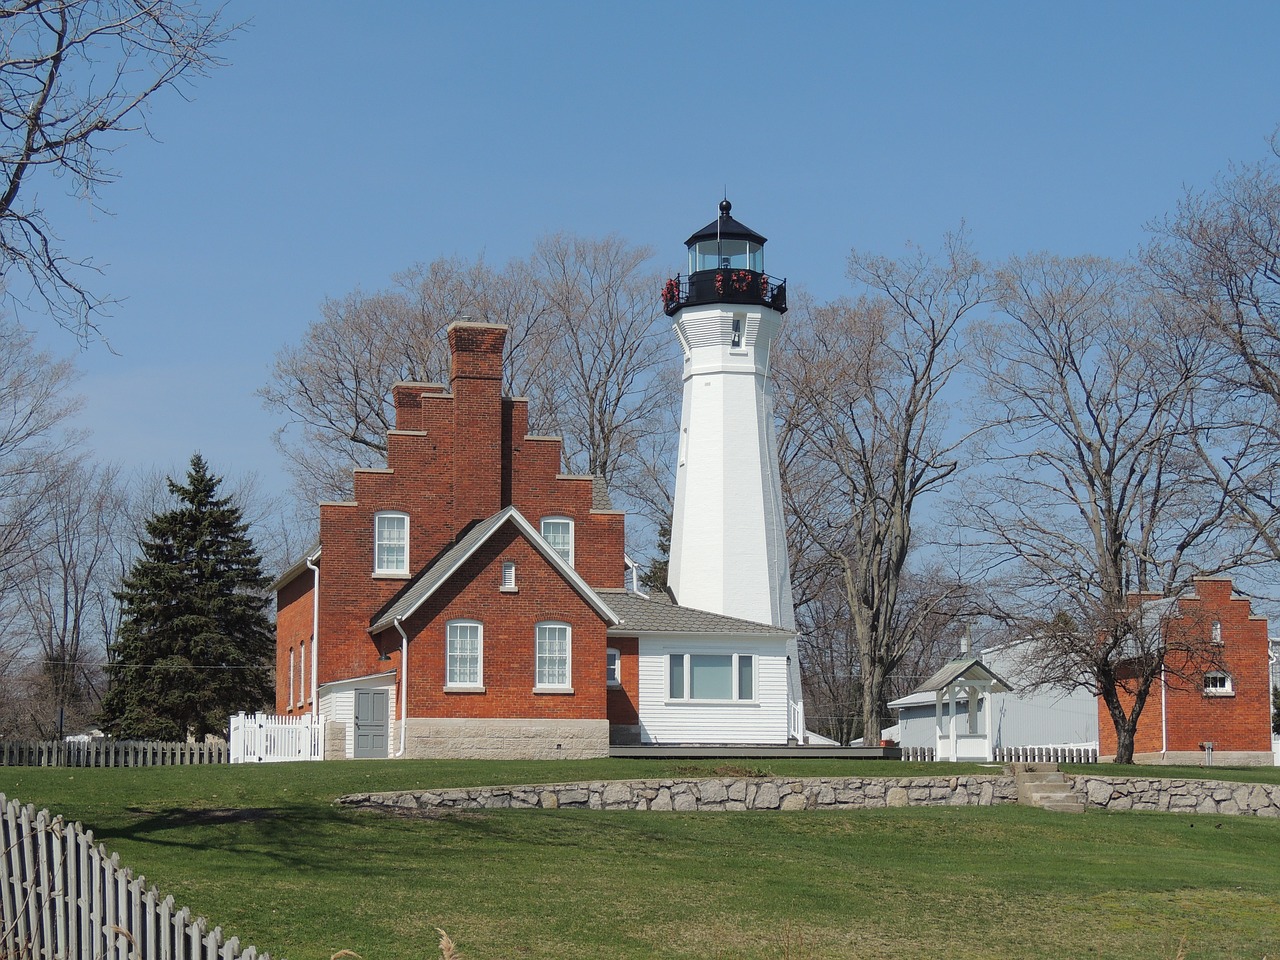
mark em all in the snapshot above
pixel 768 793
pixel 1178 796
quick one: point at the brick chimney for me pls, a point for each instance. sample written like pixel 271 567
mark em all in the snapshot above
pixel 476 351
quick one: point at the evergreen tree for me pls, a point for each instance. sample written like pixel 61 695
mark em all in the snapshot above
pixel 195 642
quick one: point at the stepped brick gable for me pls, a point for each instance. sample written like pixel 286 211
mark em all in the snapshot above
pixel 396 569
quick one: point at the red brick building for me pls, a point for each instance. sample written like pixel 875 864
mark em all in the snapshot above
pixel 469 601
pixel 1220 695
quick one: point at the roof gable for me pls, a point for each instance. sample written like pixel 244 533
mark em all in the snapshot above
pixel 451 561
pixel 650 615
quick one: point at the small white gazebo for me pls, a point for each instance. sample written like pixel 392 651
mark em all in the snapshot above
pixel 963 735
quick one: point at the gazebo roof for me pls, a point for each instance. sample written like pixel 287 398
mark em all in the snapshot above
pixel 964 671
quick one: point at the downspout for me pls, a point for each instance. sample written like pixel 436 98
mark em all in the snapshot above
pixel 1164 717
pixel 315 635
pixel 404 685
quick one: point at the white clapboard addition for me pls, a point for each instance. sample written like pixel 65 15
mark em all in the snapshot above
pixel 63 897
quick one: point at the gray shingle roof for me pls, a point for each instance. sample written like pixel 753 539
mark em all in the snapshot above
pixel 658 614
pixel 952 671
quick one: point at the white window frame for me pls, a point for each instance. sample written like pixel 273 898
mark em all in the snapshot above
pixel 302 673
pixel 379 569
pixel 542 529
pixel 452 658
pixel 1227 689
pixel 292 665
pixel 555 685
pixel 613 667
pixel 734 667
pixel 509 578
pixel 1216 632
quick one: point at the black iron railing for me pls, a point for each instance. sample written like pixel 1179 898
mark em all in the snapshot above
pixel 724 286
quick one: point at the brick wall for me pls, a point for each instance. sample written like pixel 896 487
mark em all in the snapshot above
pixel 1239 722
pixel 293 630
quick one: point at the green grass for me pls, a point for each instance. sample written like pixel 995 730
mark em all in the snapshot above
pixel 263 851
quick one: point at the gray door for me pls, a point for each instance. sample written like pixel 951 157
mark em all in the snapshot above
pixel 371 723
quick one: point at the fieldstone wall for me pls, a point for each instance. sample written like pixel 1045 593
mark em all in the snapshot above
pixel 1178 796
pixel 781 793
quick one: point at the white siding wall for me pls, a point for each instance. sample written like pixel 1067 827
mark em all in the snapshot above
pixel 338 704
pixel 762 721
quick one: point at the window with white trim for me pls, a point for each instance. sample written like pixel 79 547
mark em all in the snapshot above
pixel 292 667
pixel 552 655
pixel 711 676
pixel 613 667
pixel 1216 631
pixel 391 543
pixel 464 654
pixel 558 532
pixel 1218 684
pixel 508 577
pixel 302 673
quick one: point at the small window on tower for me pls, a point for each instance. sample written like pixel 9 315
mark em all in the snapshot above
pixel 1218 684
pixel 739 320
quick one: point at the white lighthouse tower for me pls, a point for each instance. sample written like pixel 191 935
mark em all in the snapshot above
pixel 728 536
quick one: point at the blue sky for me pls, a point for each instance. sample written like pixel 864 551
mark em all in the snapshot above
pixel 347 141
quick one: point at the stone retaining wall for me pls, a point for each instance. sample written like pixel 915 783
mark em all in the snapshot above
pixel 836 793
pixel 778 793
pixel 1178 796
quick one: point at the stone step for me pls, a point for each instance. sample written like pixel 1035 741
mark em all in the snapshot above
pixel 1043 785
pixel 1063 806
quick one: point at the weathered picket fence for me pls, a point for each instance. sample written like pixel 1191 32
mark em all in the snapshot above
pixel 64 898
pixel 918 754
pixel 264 737
pixel 102 752
pixel 1047 755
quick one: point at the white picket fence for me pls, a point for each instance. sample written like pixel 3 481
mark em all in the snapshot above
pixel 263 737
pixel 64 898
pixel 103 752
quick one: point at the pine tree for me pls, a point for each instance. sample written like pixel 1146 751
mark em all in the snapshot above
pixel 195 642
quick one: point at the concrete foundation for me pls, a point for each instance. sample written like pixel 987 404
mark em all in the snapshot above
pixel 1196 758
pixel 503 739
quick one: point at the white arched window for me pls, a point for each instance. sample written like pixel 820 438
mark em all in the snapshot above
pixel 553 648
pixel 558 532
pixel 464 655
pixel 391 543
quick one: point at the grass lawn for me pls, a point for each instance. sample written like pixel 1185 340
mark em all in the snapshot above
pixel 263 851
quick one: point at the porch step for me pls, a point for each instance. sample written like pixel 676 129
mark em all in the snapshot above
pixel 1043 785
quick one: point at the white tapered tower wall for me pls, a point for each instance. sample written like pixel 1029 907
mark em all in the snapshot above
pixel 728 533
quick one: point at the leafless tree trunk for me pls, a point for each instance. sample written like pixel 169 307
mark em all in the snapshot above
pixel 1090 494
pixel 73 74
pixel 861 398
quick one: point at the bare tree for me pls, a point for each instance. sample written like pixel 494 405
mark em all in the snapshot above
pixel 1219 255
pixel 65 596
pixel 1091 496
pixel 609 377
pixel 75 74
pixel 864 440
pixel 36 401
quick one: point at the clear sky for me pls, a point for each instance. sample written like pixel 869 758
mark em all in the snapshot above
pixel 347 141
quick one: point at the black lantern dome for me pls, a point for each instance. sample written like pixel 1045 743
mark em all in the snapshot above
pixel 726 265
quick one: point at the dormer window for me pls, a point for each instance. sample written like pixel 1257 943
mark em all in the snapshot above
pixel 391 544
pixel 558 532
